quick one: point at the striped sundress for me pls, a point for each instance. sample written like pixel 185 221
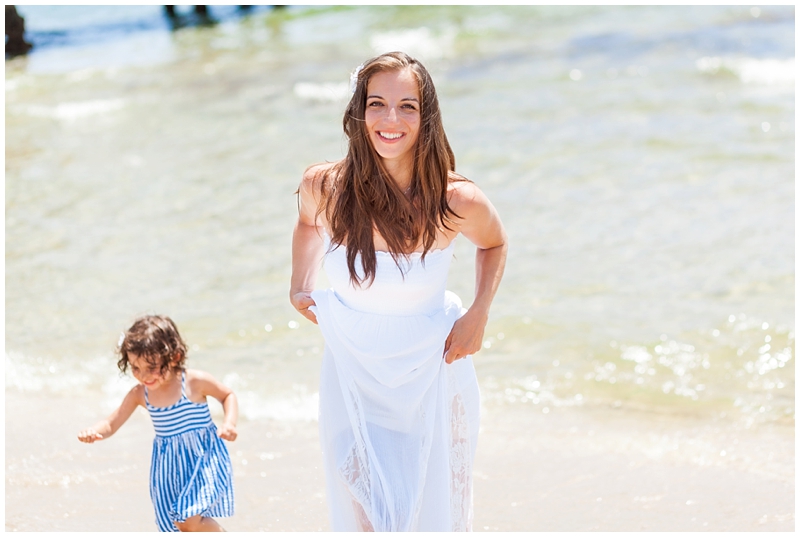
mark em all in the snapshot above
pixel 190 471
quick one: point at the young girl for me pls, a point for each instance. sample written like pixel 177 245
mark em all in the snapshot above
pixel 191 479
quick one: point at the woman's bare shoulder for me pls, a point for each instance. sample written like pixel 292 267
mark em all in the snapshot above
pixel 462 193
pixel 317 173
pixel 477 218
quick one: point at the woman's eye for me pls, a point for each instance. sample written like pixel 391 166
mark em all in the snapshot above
pixel 375 103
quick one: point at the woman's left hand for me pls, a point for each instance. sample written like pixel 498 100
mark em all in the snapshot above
pixel 480 224
pixel 466 336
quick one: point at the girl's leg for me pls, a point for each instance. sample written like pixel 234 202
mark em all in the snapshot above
pixel 199 523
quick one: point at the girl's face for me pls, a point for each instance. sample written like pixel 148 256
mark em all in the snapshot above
pixel 392 116
pixel 147 373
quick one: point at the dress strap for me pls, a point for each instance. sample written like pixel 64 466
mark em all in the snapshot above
pixel 146 400
pixel 183 383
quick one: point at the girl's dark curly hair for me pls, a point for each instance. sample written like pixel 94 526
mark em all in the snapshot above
pixel 156 339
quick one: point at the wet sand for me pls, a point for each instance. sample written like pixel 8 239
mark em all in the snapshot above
pixel 569 470
pixel 609 470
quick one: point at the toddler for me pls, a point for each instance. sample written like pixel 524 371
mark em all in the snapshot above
pixel 191 479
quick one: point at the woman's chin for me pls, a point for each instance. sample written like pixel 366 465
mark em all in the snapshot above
pixel 393 153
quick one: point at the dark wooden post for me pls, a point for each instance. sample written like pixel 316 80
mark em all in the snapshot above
pixel 15 32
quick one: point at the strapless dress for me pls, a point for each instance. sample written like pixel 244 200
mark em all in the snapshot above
pixel 398 426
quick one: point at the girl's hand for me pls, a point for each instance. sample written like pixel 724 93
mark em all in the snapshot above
pixel 301 302
pixel 89 436
pixel 228 432
pixel 204 385
pixel 466 337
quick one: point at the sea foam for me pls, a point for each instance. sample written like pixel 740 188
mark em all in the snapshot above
pixel 766 71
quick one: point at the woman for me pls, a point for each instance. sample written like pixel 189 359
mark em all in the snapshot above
pixel 399 398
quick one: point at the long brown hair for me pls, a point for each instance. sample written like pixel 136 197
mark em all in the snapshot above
pixel 360 196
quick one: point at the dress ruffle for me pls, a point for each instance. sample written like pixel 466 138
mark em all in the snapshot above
pixel 190 475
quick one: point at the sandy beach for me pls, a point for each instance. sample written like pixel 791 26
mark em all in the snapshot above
pixel 561 471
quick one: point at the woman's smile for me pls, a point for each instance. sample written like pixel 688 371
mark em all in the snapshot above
pixel 390 137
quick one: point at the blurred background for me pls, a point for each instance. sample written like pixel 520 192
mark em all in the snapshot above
pixel 641 158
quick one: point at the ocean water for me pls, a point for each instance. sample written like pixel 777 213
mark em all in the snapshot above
pixel 641 158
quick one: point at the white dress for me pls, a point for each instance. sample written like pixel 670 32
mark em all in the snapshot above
pixel 398 426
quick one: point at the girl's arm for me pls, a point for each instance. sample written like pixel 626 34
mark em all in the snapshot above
pixel 207 385
pixel 481 224
pixel 105 428
pixel 307 245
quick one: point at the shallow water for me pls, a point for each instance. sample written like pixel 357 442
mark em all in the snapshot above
pixel 642 160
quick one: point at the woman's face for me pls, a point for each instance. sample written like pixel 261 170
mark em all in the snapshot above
pixel 392 115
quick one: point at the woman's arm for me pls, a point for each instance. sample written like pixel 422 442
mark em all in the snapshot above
pixel 481 224
pixel 105 428
pixel 207 385
pixel 307 245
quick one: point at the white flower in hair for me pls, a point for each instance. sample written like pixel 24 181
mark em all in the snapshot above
pixel 354 78
pixel 121 339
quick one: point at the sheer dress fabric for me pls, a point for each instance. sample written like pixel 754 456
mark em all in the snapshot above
pixel 398 425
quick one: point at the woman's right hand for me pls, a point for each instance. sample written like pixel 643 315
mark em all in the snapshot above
pixel 89 436
pixel 301 302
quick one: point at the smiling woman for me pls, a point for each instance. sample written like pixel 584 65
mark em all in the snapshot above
pixel 398 393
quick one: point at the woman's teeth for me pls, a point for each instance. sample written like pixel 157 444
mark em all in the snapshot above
pixel 391 135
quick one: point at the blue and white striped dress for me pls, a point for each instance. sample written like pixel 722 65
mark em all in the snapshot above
pixel 190 472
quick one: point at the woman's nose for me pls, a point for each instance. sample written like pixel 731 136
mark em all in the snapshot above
pixel 392 116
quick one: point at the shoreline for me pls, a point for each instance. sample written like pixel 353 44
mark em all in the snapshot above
pixel 568 470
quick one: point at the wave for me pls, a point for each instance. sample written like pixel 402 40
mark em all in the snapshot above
pixel 99 376
pixel 328 91
pixel 75 110
pixel 418 42
pixel 769 71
